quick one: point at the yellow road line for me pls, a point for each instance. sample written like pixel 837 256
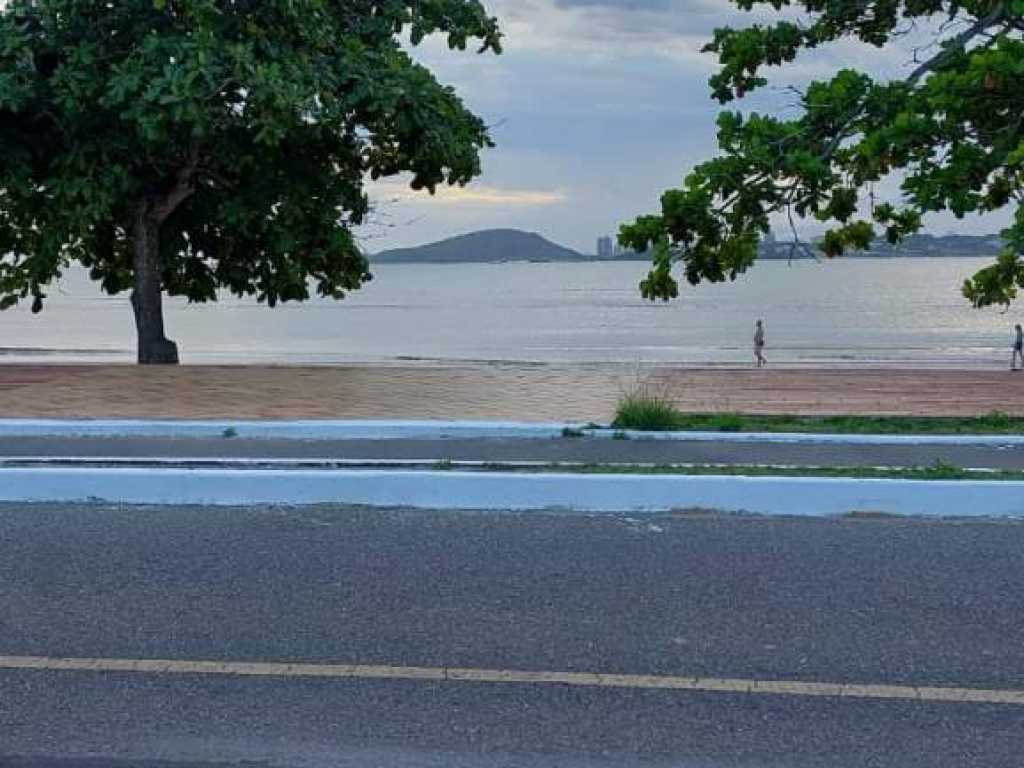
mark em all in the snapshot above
pixel 456 674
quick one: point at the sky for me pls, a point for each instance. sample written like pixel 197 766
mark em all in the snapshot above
pixel 596 107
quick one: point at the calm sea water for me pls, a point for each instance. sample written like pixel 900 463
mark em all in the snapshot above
pixel 902 312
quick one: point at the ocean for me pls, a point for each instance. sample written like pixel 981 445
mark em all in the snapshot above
pixel 847 312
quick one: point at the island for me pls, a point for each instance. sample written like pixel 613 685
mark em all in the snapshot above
pixel 488 246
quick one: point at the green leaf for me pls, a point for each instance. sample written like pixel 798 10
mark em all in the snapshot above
pixel 949 137
pixel 242 133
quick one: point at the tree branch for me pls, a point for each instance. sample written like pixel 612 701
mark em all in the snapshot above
pixel 184 187
pixel 959 42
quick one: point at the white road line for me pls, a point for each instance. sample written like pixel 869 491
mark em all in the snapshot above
pixel 507 676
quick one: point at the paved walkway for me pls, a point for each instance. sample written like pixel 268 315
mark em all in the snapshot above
pixel 485 391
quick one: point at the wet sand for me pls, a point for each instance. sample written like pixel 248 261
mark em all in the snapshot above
pixel 515 392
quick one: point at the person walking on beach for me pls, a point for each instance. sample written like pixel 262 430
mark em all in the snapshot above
pixel 1018 348
pixel 759 357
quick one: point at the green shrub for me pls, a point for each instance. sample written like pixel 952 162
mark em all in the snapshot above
pixel 642 410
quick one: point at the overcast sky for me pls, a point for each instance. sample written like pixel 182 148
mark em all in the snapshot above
pixel 597 106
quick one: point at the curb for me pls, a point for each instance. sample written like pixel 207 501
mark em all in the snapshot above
pixel 804 497
pixel 285 430
pixel 444 430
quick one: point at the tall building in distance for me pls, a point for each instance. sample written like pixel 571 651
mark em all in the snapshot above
pixel 605 248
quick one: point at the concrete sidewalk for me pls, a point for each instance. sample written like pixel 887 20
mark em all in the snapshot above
pixel 492 391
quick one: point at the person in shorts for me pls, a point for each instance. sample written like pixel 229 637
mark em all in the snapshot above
pixel 759 357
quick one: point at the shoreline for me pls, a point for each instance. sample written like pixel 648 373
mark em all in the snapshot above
pixel 996 363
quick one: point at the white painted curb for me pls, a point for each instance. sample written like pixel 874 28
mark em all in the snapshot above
pixel 812 497
pixel 440 430
pixel 286 430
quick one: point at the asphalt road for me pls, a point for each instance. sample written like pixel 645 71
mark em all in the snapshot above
pixel 552 450
pixel 881 602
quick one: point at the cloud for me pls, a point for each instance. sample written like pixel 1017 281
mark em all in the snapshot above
pixel 599 105
pixel 675 31
pixel 601 29
pixel 475 195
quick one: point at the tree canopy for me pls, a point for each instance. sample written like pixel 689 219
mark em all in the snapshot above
pixel 951 133
pixel 182 146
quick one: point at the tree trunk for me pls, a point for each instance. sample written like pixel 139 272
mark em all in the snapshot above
pixel 147 298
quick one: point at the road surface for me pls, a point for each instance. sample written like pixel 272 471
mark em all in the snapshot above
pixel 585 450
pixel 891 604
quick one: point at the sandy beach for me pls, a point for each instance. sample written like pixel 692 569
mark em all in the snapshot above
pixel 531 393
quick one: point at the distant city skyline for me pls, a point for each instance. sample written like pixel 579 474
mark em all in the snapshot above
pixel 597 107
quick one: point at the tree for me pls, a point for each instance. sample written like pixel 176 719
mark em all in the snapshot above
pixel 951 133
pixel 182 146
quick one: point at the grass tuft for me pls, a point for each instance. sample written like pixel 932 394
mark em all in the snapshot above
pixel 646 411
pixel 942 470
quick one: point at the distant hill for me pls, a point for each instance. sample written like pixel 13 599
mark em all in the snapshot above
pixel 492 245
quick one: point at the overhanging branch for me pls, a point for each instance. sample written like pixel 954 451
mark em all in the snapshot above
pixel 997 16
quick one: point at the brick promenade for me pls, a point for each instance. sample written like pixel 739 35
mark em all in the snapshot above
pixel 520 392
